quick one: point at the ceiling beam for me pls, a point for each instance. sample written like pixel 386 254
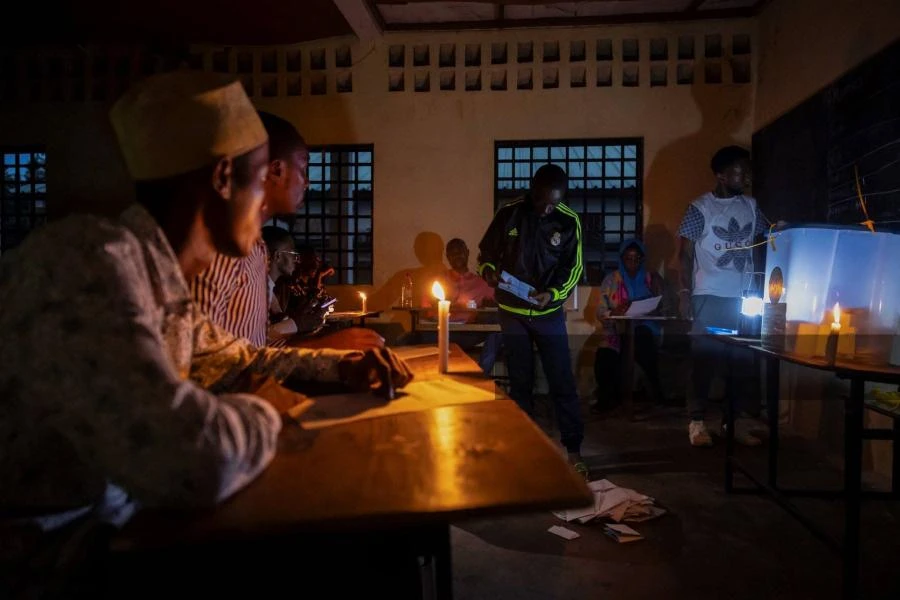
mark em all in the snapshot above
pixel 727 13
pixel 363 18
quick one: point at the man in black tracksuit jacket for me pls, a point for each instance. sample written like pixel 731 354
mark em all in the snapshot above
pixel 537 239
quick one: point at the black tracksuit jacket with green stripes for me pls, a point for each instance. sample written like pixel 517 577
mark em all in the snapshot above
pixel 544 251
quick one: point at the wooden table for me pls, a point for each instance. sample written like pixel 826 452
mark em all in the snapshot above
pixel 349 316
pixel 854 433
pixel 423 469
pixel 627 352
pixel 415 314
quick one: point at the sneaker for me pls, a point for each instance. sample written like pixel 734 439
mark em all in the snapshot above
pixel 743 435
pixel 699 435
pixel 582 469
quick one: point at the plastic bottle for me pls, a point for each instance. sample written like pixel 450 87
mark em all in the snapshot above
pixel 406 292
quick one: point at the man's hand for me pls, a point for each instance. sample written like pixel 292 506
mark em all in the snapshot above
pixel 620 310
pixel 352 338
pixel 490 277
pixel 379 370
pixel 542 298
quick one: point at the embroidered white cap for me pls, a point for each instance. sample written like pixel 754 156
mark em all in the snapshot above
pixel 177 122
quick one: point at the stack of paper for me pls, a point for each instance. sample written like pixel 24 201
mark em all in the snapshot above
pixel 622 533
pixel 615 503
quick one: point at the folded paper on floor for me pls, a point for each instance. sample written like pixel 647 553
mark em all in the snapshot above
pixel 615 503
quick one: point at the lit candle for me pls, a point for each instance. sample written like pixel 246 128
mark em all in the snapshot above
pixel 443 327
pixel 832 344
pixel 362 296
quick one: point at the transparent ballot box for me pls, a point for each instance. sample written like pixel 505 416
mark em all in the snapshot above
pixel 824 274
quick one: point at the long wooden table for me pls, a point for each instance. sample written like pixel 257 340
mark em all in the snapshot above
pixel 422 469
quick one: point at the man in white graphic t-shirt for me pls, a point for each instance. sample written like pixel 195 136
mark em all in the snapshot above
pixel 717 233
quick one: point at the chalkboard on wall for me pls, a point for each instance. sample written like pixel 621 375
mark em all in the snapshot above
pixel 806 162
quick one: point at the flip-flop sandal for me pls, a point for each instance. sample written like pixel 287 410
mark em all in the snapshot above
pixel 582 469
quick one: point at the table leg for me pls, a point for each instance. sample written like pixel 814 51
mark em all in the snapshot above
pixel 729 428
pixel 773 389
pixel 627 351
pixel 895 470
pixel 443 565
pixel 853 425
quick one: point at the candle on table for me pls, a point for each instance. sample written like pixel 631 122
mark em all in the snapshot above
pixel 443 327
pixel 831 345
pixel 362 296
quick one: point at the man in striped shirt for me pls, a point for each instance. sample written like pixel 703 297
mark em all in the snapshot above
pixel 233 292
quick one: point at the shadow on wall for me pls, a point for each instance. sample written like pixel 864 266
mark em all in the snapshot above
pixel 428 248
pixel 680 171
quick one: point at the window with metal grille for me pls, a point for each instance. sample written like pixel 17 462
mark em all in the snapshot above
pixel 604 189
pixel 337 217
pixel 23 197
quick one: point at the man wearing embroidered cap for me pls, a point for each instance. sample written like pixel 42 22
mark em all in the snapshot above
pixel 106 363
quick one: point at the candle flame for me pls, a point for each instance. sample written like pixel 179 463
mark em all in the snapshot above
pixel 362 295
pixel 836 312
pixel 437 291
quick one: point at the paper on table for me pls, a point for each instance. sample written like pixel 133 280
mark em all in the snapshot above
pixel 516 287
pixel 338 409
pixel 639 308
pixel 414 352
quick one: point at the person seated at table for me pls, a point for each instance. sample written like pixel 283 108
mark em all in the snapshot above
pixel 466 292
pixel 629 282
pixel 232 291
pixel 106 364
pixel 466 289
pixel 297 310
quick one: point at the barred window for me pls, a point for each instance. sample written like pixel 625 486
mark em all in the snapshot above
pixel 604 189
pixel 336 220
pixel 23 197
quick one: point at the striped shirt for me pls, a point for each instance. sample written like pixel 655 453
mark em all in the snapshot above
pixel 233 292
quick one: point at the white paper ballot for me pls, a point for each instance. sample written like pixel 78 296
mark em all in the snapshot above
pixel 639 308
pixel 516 287
pixel 564 533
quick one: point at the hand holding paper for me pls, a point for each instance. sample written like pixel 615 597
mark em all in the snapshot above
pixel 517 287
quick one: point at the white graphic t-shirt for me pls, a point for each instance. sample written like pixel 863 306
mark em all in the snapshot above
pixel 722 229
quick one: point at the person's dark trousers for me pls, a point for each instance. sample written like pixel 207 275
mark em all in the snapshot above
pixel 646 355
pixel 493 344
pixel 548 332
pixel 608 369
pixel 707 355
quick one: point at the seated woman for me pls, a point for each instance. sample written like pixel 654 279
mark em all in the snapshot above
pixel 619 289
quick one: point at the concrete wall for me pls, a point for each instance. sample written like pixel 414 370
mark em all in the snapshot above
pixel 806 44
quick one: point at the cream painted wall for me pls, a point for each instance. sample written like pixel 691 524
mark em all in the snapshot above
pixel 434 150
pixel 806 44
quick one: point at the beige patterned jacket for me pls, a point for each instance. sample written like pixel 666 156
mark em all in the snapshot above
pixel 105 363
